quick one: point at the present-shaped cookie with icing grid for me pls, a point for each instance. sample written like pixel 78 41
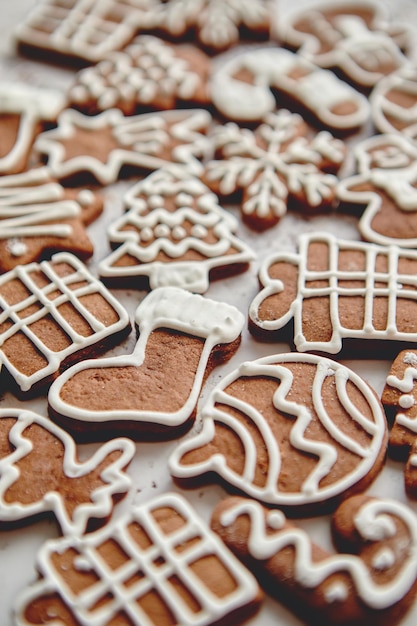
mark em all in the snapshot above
pixel 50 313
pixel 337 292
pixel 159 564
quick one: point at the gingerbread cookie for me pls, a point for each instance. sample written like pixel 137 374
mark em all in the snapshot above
pixel 154 391
pixel 39 217
pixel 25 111
pixel 247 86
pixel 399 398
pixel 53 313
pixel 394 102
pixel 385 190
pixel 281 163
pixel 159 565
pixel 174 233
pixel 40 473
pixel 370 580
pixel 148 74
pixel 215 26
pixel 353 37
pixel 106 145
pixel 338 294
pixel 298 431
pixel 79 31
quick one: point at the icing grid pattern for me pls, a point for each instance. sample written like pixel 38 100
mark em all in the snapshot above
pixel 393 283
pixel 46 306
pixel 164 558
pixel 87 28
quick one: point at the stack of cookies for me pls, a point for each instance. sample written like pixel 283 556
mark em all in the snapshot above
pixel 208 313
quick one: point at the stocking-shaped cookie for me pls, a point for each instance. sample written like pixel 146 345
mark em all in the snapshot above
pixel 24 113
pixel 40 473
pixel 154 390
pixel 385 190
pixel 174 233
pixel 400 399
pixel 292 430
pixel 372 579
pixel 159 565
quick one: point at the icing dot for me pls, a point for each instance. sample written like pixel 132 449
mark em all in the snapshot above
pixel 199 231
pixel 155 201
pixel 85 197
pixel 178 232
pixel 406 401
pixel 276 520
pixel 162 230
pixel 183 199
pixel 81 563
pixel 146 234
pixel 337 592
pixel 16 247
pixel 383 560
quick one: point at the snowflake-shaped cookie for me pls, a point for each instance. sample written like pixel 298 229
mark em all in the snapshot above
pixel 215 24
pixel 175 233
pixel 275 166
pixel 148 74
pixel 104 144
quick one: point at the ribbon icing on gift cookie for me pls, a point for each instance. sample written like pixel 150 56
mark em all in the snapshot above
pixel 353 37
pixel 298 431
pixel 385 190
pixel 40 473
pixel 214 25
pixel 102 145
pixel 148 74
pixel 394 102
pixel 369 580
pixel 159 564
pixel 79 30
pixel 175 233
pixel 24 112
pixel 279 164
pixel 38 217
pixel 153 391
pixel 50 311
pixel 399 397
pixel 242 89
pixel 336 292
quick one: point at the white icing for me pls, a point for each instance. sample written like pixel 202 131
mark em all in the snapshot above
pixel 283 164
pixel 389 164
pixel 83 28
pixel 141 72
pixel 197 540
pixel 33 105
pixel 40 295
pixel 406 401
pixel 326 453
pixel 311 574
pixel 115 480
pixel 359 50
pixel 165 307
pixel 320 91
pixel 384 559
pixel 392 117
pixel 164 231
pixel 393 285
pixel 142 141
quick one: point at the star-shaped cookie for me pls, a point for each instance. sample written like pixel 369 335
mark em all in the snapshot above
pixel 104 145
